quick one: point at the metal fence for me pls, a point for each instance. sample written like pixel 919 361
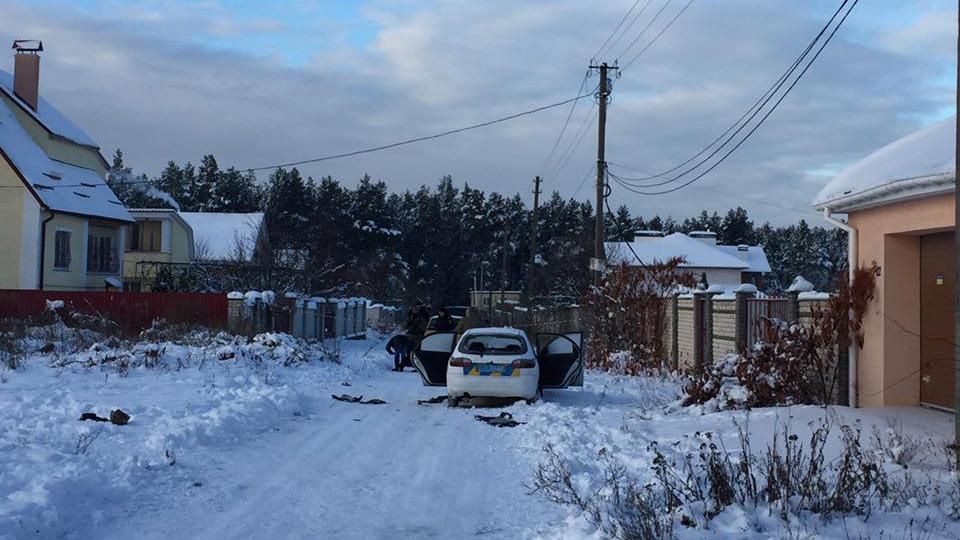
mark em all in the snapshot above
pixel 759 310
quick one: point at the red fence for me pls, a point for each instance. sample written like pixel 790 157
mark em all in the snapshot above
pixel 132 311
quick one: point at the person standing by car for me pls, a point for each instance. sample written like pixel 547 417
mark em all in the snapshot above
pixel 444 322
pixel 400 347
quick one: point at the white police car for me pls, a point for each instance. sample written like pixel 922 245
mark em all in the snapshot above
pixel 499 363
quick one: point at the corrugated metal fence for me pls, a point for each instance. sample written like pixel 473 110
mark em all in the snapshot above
pixel 133 312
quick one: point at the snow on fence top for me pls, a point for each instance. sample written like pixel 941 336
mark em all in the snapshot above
pixel 912 162
pixel 800 285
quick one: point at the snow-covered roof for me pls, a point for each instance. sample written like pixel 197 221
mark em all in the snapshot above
pixel 222 236
pixel 920 164
pixel 754 256
pixel 47 115
pixel 698 254
pixel 61 187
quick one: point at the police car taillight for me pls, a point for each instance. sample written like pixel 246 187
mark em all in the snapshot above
pixel 460 362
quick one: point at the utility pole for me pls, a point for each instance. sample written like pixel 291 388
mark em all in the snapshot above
pixel 531 285
pixel 603 96
pixel 956 268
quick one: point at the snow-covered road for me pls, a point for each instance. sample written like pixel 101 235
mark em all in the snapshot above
pixel 262 451
pixel 342 470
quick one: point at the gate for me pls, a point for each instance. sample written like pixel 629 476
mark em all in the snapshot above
pixel 761 309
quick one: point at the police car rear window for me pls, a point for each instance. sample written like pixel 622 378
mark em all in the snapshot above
pixel 492 344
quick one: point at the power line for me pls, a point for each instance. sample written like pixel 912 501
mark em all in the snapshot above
pixel 619 24
pixel 584 181
pixel 656 37
pixel 419 139
pixel 645 28
pixel 566 122
pixel 627 29
pixel 575 143
pixel 752 130
pixel 755 108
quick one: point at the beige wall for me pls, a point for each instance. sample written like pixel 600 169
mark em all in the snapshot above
pixel 724 328
pixel 57 147
pixel 11 213
pixel 177 250
pixel 889 364
pixel 74 277
pixel 685 334
pixel 717 276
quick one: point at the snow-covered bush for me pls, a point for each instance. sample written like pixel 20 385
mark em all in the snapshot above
pixel 793 363
pixel 695 481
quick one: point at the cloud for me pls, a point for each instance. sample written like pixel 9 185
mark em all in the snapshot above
pixel 139 78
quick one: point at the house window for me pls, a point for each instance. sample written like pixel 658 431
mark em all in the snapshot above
pixel 102 254
pixel 145 236
pixel 61 250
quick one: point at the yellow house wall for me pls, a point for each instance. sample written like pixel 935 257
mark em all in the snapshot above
pixel 74 277
pixel 178 252
pixel 889 363
pixel 57 147
pixel 11 214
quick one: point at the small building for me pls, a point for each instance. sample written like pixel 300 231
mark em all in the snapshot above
pixel 158 237
pixel 722 264
pixel 226 237
pixel 485 300
pixel 899 203
pixel 63 227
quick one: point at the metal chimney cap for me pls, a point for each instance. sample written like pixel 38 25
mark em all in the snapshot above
pixel 27 45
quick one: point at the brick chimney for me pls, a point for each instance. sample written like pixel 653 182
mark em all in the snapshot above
pixel 26 71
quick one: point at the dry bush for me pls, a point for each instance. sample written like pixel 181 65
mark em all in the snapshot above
pixel 790 478
pixel 630 315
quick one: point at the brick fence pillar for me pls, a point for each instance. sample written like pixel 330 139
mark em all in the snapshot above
pixel 793 307
pixel 699 319
pixel 674 332
pixel 742 319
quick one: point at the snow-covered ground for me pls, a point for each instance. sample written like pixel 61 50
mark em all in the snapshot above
pixel 247 447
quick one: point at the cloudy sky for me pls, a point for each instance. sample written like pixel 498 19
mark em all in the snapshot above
pixel 262 82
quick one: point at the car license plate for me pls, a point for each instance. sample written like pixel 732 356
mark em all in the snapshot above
pixel 491 369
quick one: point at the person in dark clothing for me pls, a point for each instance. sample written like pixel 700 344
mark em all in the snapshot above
pixel 445 322
pixel 400 346
pixel 418 321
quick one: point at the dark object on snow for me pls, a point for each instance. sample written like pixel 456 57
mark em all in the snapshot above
pixel 400 346
pixel 119 417
pixel 93 416
pixel 47 348
pixel 438 399
pixel 504 420
pixel 358 399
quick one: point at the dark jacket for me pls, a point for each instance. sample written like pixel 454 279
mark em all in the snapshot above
pixel 445 323
pixel 401 343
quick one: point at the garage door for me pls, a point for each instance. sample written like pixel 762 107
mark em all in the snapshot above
pixel 936 320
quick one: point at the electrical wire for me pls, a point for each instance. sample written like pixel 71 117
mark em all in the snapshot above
pixel 619 24
pixel 656 37
pixel 590 172
pixel 755 108
pixel 645 28
pixel 575 144
pixel 418 139
pixel 765 116
pixel 628 27
pixel 566 122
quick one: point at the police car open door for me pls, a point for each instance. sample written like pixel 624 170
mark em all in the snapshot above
pixel 561 359
pixel 431 356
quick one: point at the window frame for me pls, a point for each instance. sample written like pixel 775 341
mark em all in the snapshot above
pixel 58 255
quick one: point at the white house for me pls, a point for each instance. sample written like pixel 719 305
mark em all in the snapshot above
pixel 722 264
